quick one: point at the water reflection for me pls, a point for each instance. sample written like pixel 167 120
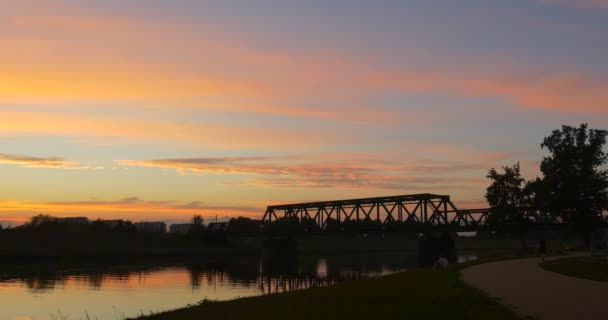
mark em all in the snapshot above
pixel 132 289
pixel 269 275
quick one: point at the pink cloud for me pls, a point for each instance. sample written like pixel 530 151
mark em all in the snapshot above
pixel 452 168
pixel 566 92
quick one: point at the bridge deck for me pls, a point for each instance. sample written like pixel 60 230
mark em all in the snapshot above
pixel 352 202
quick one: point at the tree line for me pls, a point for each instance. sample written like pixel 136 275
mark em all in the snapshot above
pixel 43 222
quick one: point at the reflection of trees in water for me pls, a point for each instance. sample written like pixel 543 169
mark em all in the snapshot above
pixel 230 271
pixel 95 280
pixel 269 275
pixel 211 277
pixel 285 283
pixel 370 264
pixel 41 284
pixel 284 274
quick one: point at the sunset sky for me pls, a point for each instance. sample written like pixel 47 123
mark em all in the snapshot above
pixel 151 110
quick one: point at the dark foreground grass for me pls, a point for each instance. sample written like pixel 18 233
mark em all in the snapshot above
pixel 592 267
pixel 417 294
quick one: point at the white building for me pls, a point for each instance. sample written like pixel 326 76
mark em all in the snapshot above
pixel 217 226
pixel 180 228
pixel 74 220
pixel 151 227
pixel 111 223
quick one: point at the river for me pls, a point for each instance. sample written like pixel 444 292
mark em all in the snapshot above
pixel 114 294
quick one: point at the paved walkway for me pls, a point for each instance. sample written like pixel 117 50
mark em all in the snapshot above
pixel 532 291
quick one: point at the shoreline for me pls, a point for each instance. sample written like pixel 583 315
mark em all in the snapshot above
pixel 418 294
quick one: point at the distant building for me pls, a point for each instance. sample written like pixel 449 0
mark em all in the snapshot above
pixel 217 226
pixel 111 223
pixel 151 227
pixel 74 220
pixel 180 228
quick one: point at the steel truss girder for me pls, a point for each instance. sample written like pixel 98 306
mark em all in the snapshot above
pixel 416 209
pixel 411 210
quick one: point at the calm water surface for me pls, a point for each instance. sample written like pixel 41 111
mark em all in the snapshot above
pixel 116 294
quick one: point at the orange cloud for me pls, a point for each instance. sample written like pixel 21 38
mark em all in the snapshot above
pixel 130 130
pixel 78 59
pixel 36 162
pixel 87 55
pixel 112 81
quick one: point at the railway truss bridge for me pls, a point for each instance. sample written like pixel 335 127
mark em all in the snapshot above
pixel 417 212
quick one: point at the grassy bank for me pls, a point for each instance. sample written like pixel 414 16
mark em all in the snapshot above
pixel 591 267
pixel 416 294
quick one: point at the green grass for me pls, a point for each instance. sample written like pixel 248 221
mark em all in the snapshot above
pixel 592 268
pixel 416 294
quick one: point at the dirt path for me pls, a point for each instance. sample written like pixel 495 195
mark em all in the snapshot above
pixel 533 291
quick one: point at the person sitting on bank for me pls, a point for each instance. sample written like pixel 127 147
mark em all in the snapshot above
pixel 442 263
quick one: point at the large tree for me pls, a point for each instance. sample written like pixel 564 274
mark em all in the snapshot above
pixel 506 198
pixel 197 228
pixel 575 176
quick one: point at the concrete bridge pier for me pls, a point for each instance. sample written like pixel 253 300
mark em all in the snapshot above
pixel 431 247
pixel 279 256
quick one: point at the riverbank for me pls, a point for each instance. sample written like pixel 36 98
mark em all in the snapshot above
pixel 415 294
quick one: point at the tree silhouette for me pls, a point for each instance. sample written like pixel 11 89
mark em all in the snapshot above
pixel 197 220
pixel 243 225
pixel 41 221
pixel 197 229
pixel 573 174
pixel 124 226
pixel 506 198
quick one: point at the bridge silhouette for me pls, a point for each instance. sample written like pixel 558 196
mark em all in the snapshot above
pixel 421 212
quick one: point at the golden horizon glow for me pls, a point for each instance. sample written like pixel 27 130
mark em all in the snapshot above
pixel 232 108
